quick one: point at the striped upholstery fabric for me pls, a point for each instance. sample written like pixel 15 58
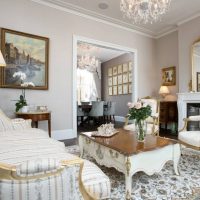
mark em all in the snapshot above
pixel 6 124
pixel 63 186
pixel 20 124
pixel 37 167
pixel 96 183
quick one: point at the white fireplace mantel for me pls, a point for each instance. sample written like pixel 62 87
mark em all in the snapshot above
pixel 183 100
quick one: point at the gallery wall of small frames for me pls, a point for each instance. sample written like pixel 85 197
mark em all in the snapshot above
pixel 120 79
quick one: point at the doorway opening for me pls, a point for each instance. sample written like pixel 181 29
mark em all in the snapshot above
pixel 102 72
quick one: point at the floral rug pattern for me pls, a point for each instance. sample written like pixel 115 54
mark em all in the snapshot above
pixel 160 186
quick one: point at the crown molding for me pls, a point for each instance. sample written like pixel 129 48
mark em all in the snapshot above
pixel 81 12
pixel 69 8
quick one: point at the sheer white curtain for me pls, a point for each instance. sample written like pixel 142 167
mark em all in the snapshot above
pixel 86 87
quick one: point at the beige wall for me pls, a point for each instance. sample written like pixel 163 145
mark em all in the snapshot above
pixel 188 33
pixel 59 26
pixel 167 56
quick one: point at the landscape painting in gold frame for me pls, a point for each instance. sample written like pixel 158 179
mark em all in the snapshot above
pixel 27 53
pixel 169 76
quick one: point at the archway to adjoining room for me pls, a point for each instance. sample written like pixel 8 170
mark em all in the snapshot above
pixel 115 74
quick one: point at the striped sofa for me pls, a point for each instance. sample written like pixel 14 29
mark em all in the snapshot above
pixel 36 167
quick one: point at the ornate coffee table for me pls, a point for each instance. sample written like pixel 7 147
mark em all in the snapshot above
pixel 123 152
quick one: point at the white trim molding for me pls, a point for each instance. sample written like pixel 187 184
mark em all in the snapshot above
pixel 63 134
pixel 77 39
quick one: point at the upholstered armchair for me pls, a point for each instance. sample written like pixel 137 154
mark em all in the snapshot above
pixel 152 121
pixel 190 138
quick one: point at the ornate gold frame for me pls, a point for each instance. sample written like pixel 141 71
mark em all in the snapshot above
pixel 46 40
pixel 166 81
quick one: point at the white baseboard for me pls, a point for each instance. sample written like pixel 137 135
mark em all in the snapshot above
pixel 63 134
pixel 119 119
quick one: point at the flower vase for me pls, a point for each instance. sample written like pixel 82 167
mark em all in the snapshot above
pixel 140 128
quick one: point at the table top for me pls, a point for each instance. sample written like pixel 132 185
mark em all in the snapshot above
pixel 126 142
pixel 32 113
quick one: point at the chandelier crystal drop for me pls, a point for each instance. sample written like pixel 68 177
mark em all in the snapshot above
pixel 144 11
pixel 88 62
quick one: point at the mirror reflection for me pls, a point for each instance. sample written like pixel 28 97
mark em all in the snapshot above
pixel 196 66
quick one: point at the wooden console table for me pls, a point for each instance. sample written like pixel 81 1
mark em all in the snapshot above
pixel 37 116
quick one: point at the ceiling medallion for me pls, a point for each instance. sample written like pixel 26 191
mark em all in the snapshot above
pixel 144 11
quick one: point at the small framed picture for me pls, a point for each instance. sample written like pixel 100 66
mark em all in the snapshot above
pixel 125 88
pixel 119 69
pixel 120 79
pixel 198 81
pixel 169 76
pixel 114 80
pixel 115 90
pixel 115 70
pixel 119 89
pixel 130 66
pixel 110 71
pixel 125 67
pixel 130 77
pixel 110 92
pixel 125 78
pixel 110 81
pixel 130 88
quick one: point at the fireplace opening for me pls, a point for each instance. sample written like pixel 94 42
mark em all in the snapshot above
pixel 192 110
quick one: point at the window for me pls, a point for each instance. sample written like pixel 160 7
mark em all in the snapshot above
pixel 86 86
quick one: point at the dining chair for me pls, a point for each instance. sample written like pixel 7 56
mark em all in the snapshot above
pixel 80 114
pixel 96 111
pixel 109 111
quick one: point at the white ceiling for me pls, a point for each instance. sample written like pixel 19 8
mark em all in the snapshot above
pixel 179 12
pixel 102 53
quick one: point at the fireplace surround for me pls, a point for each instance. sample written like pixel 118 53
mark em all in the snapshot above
pixel 188 104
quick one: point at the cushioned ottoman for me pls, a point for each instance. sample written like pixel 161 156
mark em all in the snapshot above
pixel 96 183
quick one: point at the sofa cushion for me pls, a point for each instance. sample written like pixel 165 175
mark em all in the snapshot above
pixel 190 137
pixel 96 183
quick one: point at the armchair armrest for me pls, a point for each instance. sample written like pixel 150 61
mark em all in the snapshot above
pixel 189 119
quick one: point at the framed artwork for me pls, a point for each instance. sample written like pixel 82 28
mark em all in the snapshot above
pixel 25 53
pixel 120 89
pixel 130 88
pixel 125 78
pixel 198 81
pixel 125 88
pixel 110 71
pixel 110 81
pixel 114 80
pixel 130 76
pixel 125 67
pixel 169 76
pixel 110 91
pixel 130 66
pixel 115 70
pixel 119 69
pixel 115 90
pixel 120 79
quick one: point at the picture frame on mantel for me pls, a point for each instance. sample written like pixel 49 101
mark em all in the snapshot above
pixel 169 76
pixel 27 53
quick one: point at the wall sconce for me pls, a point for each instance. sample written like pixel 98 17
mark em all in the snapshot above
pixel 163 91
pixel 2 61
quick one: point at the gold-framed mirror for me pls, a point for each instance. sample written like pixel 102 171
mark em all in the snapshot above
pixel 195 54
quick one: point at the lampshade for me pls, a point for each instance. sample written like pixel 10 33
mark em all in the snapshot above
pixel 2 61
pixel 163 90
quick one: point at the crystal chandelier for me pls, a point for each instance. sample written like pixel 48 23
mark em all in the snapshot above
pixel 89 63
pixel 144 11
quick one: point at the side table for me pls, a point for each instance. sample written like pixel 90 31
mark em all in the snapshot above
pixel 37 116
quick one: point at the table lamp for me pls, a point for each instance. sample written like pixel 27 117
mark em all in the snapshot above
pixel 163 91
pixel 2 61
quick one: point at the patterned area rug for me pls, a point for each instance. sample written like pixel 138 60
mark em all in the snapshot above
pixel 161 186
